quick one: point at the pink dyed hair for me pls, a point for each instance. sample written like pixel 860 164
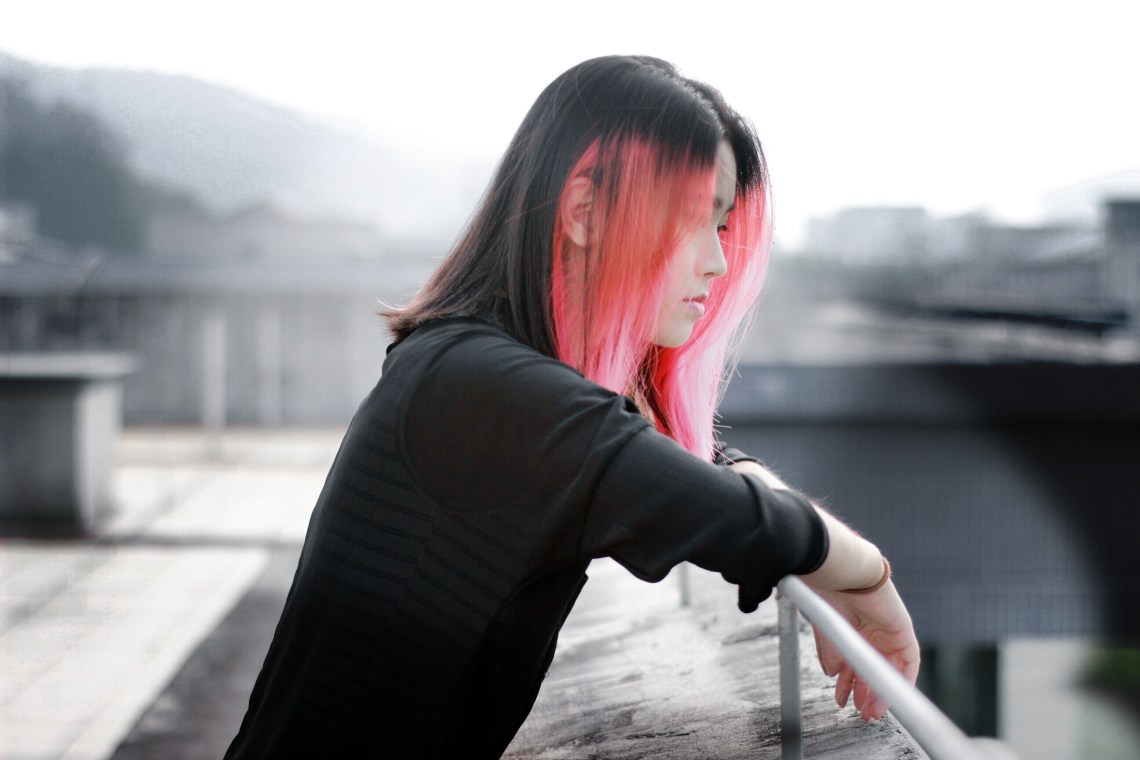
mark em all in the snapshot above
pixel 605 299
pixel 647 137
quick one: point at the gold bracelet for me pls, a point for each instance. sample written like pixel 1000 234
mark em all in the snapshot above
pixel 871 589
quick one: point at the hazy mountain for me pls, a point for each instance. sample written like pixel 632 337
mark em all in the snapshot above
pixel 234 150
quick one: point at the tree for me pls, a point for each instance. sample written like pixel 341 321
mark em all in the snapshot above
pixel 71 169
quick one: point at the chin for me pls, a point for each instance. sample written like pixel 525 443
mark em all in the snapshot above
pixel 672 338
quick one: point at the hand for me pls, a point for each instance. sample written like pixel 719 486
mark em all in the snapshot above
pixel 882 619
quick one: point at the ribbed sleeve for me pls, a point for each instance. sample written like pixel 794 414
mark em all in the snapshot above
pixel 494 424
pixel 658 505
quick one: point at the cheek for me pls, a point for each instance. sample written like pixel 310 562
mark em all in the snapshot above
pixel 682 270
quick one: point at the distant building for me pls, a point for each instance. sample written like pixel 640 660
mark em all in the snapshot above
pixel 219 342
pixel 1017 245
pixel 950 238
pixel 260 232
pixel 872 235
pixel 1091 275
pixel 17 229
pixel 1122 254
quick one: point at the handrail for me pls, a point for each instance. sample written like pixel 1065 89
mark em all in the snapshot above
pixel 934 732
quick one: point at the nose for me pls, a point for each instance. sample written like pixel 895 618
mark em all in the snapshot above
pixel 715 264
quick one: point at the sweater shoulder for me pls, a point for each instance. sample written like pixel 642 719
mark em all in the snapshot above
pixel 488 419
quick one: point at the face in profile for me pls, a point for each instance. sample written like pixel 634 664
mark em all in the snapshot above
pixel 697 262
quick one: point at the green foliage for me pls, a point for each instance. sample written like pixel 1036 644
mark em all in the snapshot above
pixel 72 170
pixel 1117 669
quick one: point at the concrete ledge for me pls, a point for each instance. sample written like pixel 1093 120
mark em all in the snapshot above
pixel 638 676
pixel 60 416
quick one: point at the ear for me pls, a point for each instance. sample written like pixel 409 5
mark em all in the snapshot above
pixel 575 209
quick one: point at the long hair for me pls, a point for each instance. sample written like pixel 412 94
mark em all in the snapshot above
pixel 647 139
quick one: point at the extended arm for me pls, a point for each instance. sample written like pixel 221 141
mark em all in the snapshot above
pixel 855 563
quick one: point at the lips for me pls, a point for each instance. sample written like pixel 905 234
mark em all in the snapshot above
pixel 697 304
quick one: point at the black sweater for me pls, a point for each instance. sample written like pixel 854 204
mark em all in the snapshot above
pixel 473 487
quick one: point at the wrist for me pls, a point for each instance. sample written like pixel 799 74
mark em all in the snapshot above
pixel 852 561
pixel 886 576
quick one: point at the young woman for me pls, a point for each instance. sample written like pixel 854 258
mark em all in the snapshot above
pixel 549 399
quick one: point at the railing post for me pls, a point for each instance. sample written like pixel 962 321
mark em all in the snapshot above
pixel 683 580
pixel 936 733
pixel 933 731
pixel 791 711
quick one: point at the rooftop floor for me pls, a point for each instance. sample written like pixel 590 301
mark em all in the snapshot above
pixel 92 631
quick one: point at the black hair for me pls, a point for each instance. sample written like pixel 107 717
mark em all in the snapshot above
pixel 500 268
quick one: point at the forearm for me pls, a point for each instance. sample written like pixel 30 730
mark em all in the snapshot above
pixel 880 616
pixel 852 561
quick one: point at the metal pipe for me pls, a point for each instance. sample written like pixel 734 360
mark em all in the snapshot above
pixel 686 588
pixel 936 733
pixel 791 704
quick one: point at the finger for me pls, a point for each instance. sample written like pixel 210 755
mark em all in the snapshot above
pixel 863 697
pixel 870 705
pixel 910 666
pixel 825 653
pixel 819 644
pixel 843 685
pixel 829 657
pixel 873 709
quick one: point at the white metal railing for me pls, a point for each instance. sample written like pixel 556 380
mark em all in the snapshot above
pixel 934 732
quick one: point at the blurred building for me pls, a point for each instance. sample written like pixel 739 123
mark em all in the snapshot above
pixel 219 342
pixel 17 229
pixel 872 235
pixel 1026 266
pixel 1060 273
pixel 259 231
pixel 1067 274
pixel 1122 254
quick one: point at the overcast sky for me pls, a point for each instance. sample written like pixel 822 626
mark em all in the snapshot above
pixel 956 106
